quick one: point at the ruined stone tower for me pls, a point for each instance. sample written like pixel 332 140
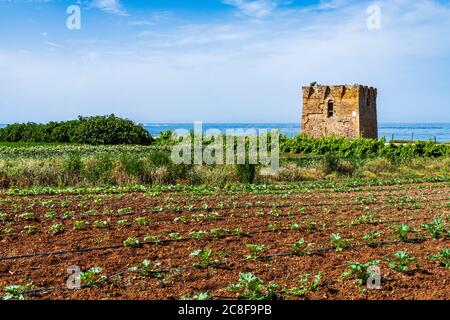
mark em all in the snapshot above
pixel 348 111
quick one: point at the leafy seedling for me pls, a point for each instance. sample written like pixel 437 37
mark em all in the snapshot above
pixel 402 232
pixel 28 216
pixel 436 228
pixel 175 236
pixel 401 262
pixel 30 229
pixel 361 271
pixel 100 224
pixel 16 292
pixel 251 287
pixel 142 221
pixel 80 225
pixel 307 284
pixel 442 258
pixel 91 277
pixel 337 241
pixel 300 247
pixel 148 268
pixel 371 238
pixel 256 251
pixel 132 242
pixel 198 296
pixel 152 239
pixel 205 258
pixel 57 228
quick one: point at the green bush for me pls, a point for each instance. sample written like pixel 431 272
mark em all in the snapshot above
pixel 331 163
pixel 132 164
pixel 99 170
pixel 72 165
pixel 72 168
pixel 362 148
pixel 246 172
pixel 159 159
pixel 99 130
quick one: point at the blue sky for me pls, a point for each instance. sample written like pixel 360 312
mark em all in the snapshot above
pixel 219 60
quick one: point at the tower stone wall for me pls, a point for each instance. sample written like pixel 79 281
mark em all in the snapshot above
pixel 347 110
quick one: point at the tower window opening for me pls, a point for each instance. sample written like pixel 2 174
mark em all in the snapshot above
pixel 330 109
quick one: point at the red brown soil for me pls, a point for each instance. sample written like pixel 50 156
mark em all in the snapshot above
pixel 332 212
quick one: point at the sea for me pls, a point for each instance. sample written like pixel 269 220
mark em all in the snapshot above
pixel 439 132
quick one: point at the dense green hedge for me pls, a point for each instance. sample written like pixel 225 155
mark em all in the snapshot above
pixel 111 130
pixel 362 148
pixel 86 130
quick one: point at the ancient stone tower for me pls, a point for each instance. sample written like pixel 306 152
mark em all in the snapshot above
pixel 348 111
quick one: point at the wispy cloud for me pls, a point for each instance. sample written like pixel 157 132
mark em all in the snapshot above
pixel 111 6
pixel 331 4
pixel 241 69
pixel 53 44
pixel 253 8
pixel 155 18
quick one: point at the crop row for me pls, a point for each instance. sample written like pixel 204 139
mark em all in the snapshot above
pixel 97 199
pixel 206 213
pixel 436 228
pixel 201 190
pixel 401 262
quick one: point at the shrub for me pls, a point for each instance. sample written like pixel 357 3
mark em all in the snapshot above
pixel 331 163
pixel 99 169
pixel 71 168
pixel 172 172
pixel 362 148
pixel 212 175
pixel 293 172
pixel 131 164
pixel 159 159
pixel 246 172
pixel 86 130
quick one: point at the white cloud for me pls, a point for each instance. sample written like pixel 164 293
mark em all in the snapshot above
pixel 243 70
pixel 253 8
pixel 155 18
pixel 89 57
pixel 331 4
pixel 111 6
pixel 53 44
